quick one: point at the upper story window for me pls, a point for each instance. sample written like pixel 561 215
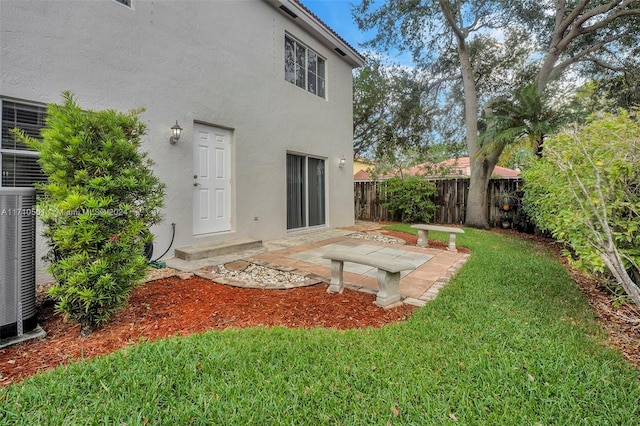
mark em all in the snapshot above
pixel 19 165
pixel 304 67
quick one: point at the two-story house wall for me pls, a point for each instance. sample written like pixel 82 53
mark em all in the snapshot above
pixel 261 88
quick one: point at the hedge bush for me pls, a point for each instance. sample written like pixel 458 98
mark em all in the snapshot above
pixel 99 201
pixel 585 191
pixel 410 199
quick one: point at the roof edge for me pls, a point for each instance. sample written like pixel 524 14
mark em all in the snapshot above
pixel 303 17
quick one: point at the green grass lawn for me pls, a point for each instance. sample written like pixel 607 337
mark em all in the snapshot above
pixel 509 340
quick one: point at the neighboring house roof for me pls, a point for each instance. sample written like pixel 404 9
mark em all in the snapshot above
pixel 364 176
pixel 462 166
pixel 457 167
pixel 505 172
pixel 361 175
pixel 316 27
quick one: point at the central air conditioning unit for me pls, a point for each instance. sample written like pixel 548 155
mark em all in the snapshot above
pixel 17 262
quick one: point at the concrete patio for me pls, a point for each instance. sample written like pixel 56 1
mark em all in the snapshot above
pixel 302 253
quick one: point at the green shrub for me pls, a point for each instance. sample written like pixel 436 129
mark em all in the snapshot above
pixel 586 192
pixel 410 199
pixel 99 201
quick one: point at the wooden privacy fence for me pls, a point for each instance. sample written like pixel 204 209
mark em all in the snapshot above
pixel 504 201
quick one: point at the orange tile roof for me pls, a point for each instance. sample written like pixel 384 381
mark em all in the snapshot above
pixel 461 164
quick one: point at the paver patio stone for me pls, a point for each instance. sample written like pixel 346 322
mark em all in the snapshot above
pixel 302 254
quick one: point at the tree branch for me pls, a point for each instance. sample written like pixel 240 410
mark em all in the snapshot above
pixel 563 24
pixel 468 29
pixel 604 64
pixel 580 55
pixel 577 21
pixel 441 80
pixel 601 10
pixel 609 20
pixel 451 20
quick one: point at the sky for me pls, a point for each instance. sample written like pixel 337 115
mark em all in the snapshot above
pixel 337 15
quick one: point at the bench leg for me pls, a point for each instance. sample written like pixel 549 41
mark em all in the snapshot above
pixel 337 283
pixel 452 242
pixel 388 291
pixel 423 238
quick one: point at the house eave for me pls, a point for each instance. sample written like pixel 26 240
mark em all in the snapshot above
pixel 304 18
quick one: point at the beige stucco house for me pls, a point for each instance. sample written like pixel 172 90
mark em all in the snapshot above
pixel 261 88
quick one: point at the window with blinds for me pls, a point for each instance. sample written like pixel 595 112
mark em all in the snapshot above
pixel 19 165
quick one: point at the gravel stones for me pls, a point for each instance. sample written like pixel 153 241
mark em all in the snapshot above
pixel 255 274
pixel 243 273
pixel 377 237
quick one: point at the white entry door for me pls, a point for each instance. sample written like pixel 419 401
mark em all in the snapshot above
pixel 211 179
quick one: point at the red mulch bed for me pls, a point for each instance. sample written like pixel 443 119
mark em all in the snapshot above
pixel 172 306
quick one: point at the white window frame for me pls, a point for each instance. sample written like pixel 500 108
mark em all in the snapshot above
pixel 301 71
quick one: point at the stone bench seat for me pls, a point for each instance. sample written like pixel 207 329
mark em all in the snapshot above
pixel 388 276
pixel 423 234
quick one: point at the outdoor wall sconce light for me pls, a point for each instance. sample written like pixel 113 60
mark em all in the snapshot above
pixel 175 130
pixel 342 162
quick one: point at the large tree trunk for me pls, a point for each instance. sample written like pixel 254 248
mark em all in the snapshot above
pixel 477 201
pixel 547 69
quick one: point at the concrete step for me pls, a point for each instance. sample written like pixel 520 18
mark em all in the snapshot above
pixel 201 251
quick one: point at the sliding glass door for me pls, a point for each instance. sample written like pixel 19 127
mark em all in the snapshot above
pixel 305 192
pixel 296 192
pixel 315 187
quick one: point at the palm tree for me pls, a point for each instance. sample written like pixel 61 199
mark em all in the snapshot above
pixel 526 117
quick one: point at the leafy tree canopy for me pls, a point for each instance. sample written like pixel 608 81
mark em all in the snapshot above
pixel 474 51
pixel 389 110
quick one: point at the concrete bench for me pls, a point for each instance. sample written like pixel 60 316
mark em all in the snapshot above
pixel 423 234
pixel 388 273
